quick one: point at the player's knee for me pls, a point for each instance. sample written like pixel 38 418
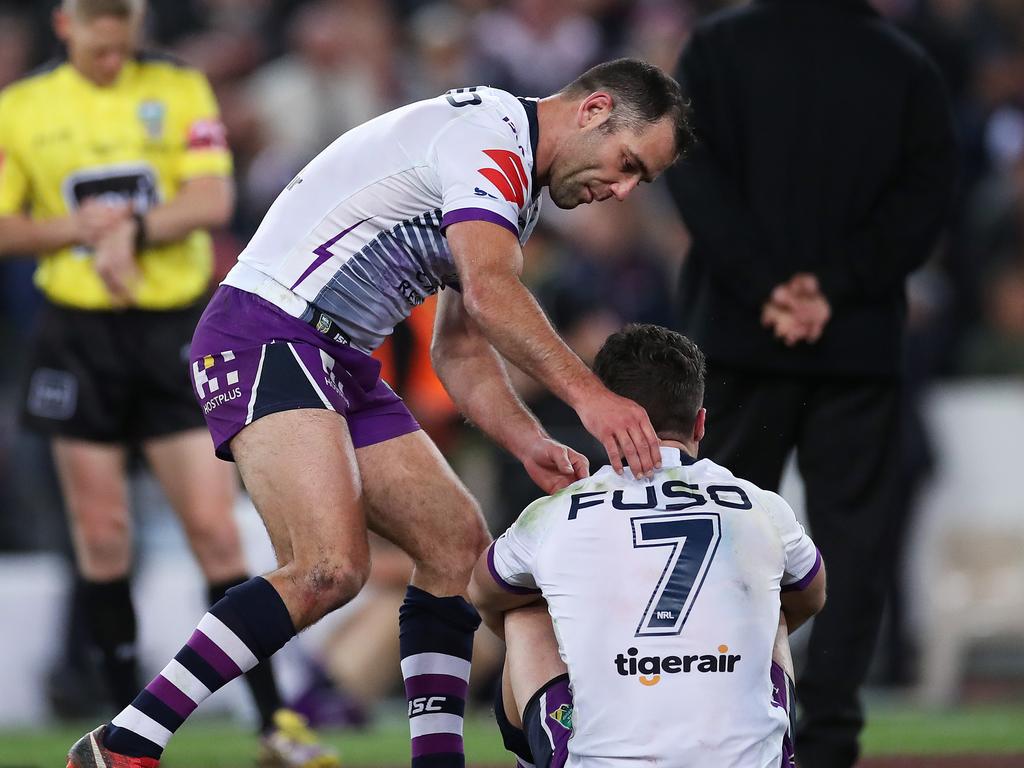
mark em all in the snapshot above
pixel 461 549
pixel 330 584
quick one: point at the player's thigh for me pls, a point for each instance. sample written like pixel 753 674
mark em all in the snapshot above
pixel 532 652
pixel 417 501
pixel 300 469
pixel 92 480
pixel 202 489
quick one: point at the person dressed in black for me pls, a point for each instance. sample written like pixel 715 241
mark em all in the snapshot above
pixel 822 177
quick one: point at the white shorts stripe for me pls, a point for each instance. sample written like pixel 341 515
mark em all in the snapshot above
pixel 440 722
pixel 544 719
pixel 139 722
pixel 228 642
pixel 255 385
pixel 185 681
pixel 435 664
pixel 309 376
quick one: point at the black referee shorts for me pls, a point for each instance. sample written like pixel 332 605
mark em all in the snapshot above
pixel 111 376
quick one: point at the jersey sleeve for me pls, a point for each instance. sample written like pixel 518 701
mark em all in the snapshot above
pixel 205 151
pixel 803 560
pixel 511 557
pixel 482 175
pixel 14 181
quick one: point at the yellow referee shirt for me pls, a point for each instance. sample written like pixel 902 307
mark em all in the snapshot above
pixel 64 140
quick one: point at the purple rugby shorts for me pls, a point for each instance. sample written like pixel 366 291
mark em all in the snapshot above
pixel 249 359
pixel 782 697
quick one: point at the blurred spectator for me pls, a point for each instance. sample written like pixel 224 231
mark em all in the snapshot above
pixel 534 47
pixel 997 348
pixel 326 85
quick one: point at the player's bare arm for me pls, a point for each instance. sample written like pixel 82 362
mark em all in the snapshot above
pixel 800 605
pixel 476 378
pixel 489 262
pixel 491 600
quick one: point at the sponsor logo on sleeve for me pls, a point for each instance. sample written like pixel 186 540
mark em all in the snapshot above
pixel 509 178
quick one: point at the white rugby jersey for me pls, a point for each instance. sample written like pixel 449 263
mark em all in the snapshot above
pixel 665 600
pixel 359 233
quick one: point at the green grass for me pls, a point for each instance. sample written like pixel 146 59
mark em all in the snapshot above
pixel 213 744
pixel 977 730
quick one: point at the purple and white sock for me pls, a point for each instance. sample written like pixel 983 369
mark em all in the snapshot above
pixel 248 625
pixel 436 642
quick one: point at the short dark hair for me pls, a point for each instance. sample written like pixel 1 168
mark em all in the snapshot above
pixel 661 370
pixel 643 95
pixel 95 9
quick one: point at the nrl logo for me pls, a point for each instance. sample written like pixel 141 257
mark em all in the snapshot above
pixel 563 716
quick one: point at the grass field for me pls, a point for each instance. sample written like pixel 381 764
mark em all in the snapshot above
pixel 997 732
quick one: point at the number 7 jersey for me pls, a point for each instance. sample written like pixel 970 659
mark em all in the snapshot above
pixel 664 596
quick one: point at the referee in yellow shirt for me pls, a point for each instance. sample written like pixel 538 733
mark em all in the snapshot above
pixel 112 166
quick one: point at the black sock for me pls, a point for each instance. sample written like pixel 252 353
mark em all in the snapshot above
pixel 260 678
pixel 111 620
pixel 436 642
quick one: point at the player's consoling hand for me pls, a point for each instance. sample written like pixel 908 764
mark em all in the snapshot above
pixel 624 429
pixel 553 466
pixel 114 259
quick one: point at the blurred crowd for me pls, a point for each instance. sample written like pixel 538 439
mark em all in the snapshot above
pixel 291 75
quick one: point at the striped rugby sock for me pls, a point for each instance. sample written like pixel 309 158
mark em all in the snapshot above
pixel 248 625
pixel 436 642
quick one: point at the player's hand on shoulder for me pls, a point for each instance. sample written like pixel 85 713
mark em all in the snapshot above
pixel 624 429
pixel 552 465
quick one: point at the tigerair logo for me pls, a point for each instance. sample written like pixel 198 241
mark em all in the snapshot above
pixel 563 716
pixel 649 669
pixel 511 181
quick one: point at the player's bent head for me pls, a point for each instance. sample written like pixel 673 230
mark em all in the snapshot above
pixel 642 96
pixel 661 370
pixel 100 35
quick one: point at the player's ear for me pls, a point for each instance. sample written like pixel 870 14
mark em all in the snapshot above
pixel 594 109
pixel 698 425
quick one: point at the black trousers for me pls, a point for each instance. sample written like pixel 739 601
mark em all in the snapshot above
pixel 847 436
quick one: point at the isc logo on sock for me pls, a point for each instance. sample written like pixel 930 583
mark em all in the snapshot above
pixel 424 704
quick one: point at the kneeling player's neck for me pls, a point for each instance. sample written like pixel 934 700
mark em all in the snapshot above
pixel 688 447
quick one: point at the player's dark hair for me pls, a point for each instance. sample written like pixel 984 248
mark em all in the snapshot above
pixel 642 95
pixel 661 370
pixel 95 9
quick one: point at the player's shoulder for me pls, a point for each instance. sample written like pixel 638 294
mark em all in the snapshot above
pixel 478 109
pixel 716 474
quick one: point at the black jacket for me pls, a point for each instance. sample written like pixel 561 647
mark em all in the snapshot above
pixel 826 146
